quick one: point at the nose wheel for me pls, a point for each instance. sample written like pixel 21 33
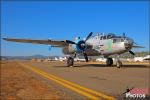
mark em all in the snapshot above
pixel 70 61
pixel 118 63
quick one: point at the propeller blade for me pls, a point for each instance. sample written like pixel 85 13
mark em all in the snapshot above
pixel 89 36
pixel 50 48
pixel 124 35
pixel 131 52
pixel 86 57
pixel 135 43
pixel 70 42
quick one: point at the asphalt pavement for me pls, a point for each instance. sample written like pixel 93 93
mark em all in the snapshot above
pixel 107 81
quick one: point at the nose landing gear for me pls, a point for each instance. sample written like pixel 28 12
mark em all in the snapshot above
pixel 118 62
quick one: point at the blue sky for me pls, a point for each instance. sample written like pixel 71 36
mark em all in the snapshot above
pixel 67 20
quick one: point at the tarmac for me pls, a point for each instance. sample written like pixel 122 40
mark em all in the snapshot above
pixel 90 80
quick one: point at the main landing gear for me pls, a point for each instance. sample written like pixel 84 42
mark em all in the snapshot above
pixel 109 62
pixel 70 62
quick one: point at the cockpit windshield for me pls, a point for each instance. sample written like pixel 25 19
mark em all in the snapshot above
pixel 106 36
pixel 103 36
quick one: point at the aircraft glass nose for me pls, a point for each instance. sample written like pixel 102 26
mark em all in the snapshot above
pixel 128 43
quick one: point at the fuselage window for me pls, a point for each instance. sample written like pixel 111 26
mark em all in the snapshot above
pixel 116 40
pixel 96 37
pixel 101 38
pixel 122 40
pixel 109 37
pixel 104 37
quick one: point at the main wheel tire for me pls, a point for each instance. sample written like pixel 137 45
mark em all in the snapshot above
pixel 70 61
pixel 118 64
pixel 109 61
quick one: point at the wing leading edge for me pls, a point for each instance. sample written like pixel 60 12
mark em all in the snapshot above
pixel 45 42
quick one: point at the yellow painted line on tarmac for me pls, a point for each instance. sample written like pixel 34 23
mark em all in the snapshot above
pixel 66 85
pixel 70 85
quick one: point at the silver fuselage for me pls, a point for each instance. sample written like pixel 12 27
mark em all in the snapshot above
pixel 103 46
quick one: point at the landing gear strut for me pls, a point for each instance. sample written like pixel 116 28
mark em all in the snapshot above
pixel 109 61
pixel 70 61
pixel 118 62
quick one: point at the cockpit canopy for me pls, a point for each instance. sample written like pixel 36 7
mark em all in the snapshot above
pixel 107 36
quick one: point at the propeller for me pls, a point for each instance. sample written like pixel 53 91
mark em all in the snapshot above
pixel 70 42
pixel 81 45
pixel 84 54
pixel 86 57
pixel 50 48
pixel 124 34
pixel 88 36
pixel 135 43
pixel 131 52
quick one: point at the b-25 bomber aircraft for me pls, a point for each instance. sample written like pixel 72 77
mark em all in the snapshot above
pixel 96 45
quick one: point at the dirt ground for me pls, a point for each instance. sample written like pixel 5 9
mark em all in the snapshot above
pixel 17 84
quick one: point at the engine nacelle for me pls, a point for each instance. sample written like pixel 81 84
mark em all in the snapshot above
pixel 79 47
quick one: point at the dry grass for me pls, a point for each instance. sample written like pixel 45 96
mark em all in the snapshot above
pixel 17 83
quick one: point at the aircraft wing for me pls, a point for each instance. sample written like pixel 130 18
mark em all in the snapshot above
pixel 137 46
pixel 46 42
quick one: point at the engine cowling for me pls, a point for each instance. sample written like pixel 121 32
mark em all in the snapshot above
pixel 80 46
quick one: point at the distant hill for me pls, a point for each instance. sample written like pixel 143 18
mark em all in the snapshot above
pixel 38 56
pixel 22 57
pixel 25 57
